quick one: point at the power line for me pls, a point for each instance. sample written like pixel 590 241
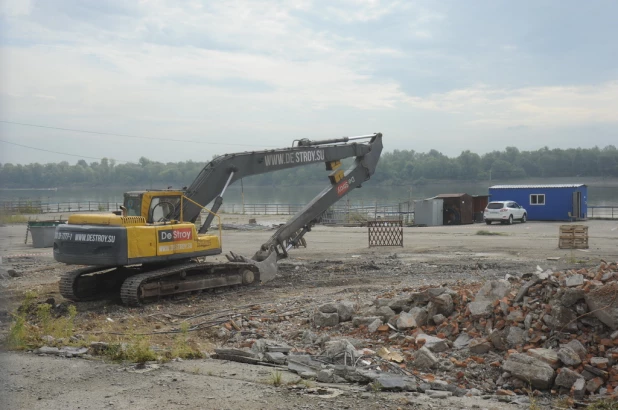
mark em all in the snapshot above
pixel 133 136
pixel 60 153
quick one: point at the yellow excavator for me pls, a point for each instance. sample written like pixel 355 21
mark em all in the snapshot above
pixel 151 247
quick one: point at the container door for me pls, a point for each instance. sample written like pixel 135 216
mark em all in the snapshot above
pixel 577 205
pixel 438 210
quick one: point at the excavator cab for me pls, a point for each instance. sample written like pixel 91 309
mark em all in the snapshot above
pixel 154 206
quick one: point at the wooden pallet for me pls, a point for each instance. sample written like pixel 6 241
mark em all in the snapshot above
pixel 573 237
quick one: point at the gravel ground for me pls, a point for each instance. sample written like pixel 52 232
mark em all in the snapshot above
pixel 337 263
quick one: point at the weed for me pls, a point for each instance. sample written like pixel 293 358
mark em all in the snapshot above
pixel 116 352
pixel 563 403
pixel 307 383
pixel 355 217
pixel 534 405
pixel 210 373
pixel 43 314
pixel 21 334
pixel 12 219
pixel 376 387
pixel 196 370
pixel 276 378
pixel 573 259
pixel 29 298
pixel 484 232
pixel 137 351
pixel 31 322
pixel 182 348
pixel 18 334
pixel 603 404
pixel 58 328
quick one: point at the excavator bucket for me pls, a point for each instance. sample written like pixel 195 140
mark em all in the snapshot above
pixel 267 268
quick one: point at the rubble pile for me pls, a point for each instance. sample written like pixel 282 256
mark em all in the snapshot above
pixel 546 331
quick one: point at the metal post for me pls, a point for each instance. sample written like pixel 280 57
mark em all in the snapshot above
pixel 242 196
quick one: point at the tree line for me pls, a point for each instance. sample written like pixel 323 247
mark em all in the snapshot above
pixel 399 167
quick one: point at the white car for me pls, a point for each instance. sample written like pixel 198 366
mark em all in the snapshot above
pixel 504 212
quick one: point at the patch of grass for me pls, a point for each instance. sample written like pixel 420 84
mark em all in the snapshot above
pixel 563 403
pixel 276 378
pixel 138 350
pixel 376 387
pixel 355 217
pixel 182 347
pixel 17 339
pixel 301 382
pixel 573 259
pixel 484 232
pixel 58 328
pixel 307 383
pixel 604 404
pixel 29 299
pixel 31 322
pixel 12 219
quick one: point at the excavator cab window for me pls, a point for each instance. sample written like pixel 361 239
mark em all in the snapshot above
pixel 162 208
pixel 133 203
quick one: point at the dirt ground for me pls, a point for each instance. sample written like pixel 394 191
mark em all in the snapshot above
pixel 336 263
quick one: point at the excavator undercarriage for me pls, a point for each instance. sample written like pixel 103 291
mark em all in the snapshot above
pixel 152 249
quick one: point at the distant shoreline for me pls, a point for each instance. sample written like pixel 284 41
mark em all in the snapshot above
pixel 590 181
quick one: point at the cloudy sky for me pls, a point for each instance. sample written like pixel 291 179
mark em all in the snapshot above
pixel 235 75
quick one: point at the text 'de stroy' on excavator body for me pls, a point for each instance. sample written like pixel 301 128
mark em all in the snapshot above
pixel 151 248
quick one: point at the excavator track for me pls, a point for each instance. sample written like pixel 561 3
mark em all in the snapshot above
pixel 91 282
pixel 187 277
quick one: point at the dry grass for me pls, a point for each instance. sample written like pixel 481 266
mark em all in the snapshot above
pixel 484 232
pixel 183 347
pixel 604 404
pixel 276 378
pixel 12 219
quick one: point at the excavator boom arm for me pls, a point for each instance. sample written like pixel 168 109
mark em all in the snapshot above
pixel 222 171
pixel 228 168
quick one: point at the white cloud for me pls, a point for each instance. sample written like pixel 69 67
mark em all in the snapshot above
pixel 537 106
pixel 272 68
pixel 12 8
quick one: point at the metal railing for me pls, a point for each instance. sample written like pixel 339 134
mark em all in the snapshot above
pixel 337 214
pixel 38 207
pixel 261 209
pixel 603 212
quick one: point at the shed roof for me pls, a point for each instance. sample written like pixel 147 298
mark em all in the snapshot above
pixel 450 195
pixel 536 186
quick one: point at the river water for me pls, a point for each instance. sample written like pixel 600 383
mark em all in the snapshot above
pixel 600 192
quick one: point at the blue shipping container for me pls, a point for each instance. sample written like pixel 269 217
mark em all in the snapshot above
pixel 546 202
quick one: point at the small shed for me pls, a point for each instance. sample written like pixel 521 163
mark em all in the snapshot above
pixel 428 212
pixel 558 202
pixel 457 209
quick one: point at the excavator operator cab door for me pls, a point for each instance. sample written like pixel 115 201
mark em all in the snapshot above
pixel 162 207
